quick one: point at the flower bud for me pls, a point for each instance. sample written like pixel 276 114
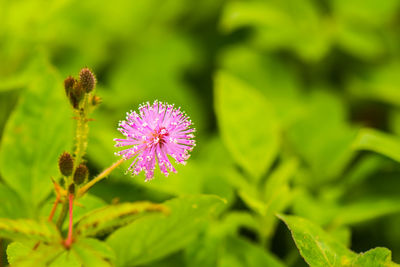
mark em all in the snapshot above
pixel 69 84
pixel 71 189
pixel 76 95
pixel 66 164
pixel 87 80
pixel 81 174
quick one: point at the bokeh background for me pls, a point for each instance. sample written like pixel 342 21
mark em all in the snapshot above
pixel 272 87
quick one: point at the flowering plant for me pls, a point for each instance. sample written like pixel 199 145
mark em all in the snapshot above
pixel 80 229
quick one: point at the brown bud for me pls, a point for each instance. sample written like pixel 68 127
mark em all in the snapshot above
pixel 87 79
pixel 69 84
pixel 66 164
pixel 81 174
pixel 71 189
pixel 76 95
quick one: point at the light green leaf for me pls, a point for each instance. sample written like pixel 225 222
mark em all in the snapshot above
pixel 26 229
pixel 374 140
pixel 38 130
pixel 84 252
pixel 42 256
pixel 92 252
pixel 279 178
pixel 111 217
pixel 247 124
pixel 316 246
pixel 377 257
pixel 66 259
pixel 153 237
pixel 17 250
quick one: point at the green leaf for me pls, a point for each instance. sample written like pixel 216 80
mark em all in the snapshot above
pixel 316 246
pixel 281 24
pixel 279 178
pixel 246 254
pixel 11 204
pixel 373 140
pixel 360 41
pixel 377 257
pixel 84 252
pixel 108 218
pixel 23 255
pixel 26 229
pixel 16 250
pixel 342 234
pixel 327 152
pixel 66 259
pixel 365 12
pixel 378 83
pixel 276 80
pixel 247 124
pixel 153 237
pixel 92 252
pixel 365 210
pixel 38 130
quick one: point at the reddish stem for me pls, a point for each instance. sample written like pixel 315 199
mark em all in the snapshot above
pixel 68 241
pixel 54 208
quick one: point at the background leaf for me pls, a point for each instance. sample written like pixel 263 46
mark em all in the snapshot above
pixel 369 139
pixel 239 109
pixel 153 237
pixel 35 136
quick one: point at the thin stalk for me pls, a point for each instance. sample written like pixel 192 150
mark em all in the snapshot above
pixel 54 208
pixel 68 241
pixel 99 177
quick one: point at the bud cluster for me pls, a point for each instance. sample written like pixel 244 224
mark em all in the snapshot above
pixel 66 165
pixel 77 89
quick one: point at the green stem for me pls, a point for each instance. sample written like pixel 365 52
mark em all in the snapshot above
pixel 82 130
pixel 99 177
pixel 62 216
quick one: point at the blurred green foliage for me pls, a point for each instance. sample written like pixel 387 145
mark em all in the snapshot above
pixel 296 105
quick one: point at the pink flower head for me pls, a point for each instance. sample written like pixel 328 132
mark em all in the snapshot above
pixel 157 131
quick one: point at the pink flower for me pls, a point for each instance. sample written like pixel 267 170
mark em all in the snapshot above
pixel 157 131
